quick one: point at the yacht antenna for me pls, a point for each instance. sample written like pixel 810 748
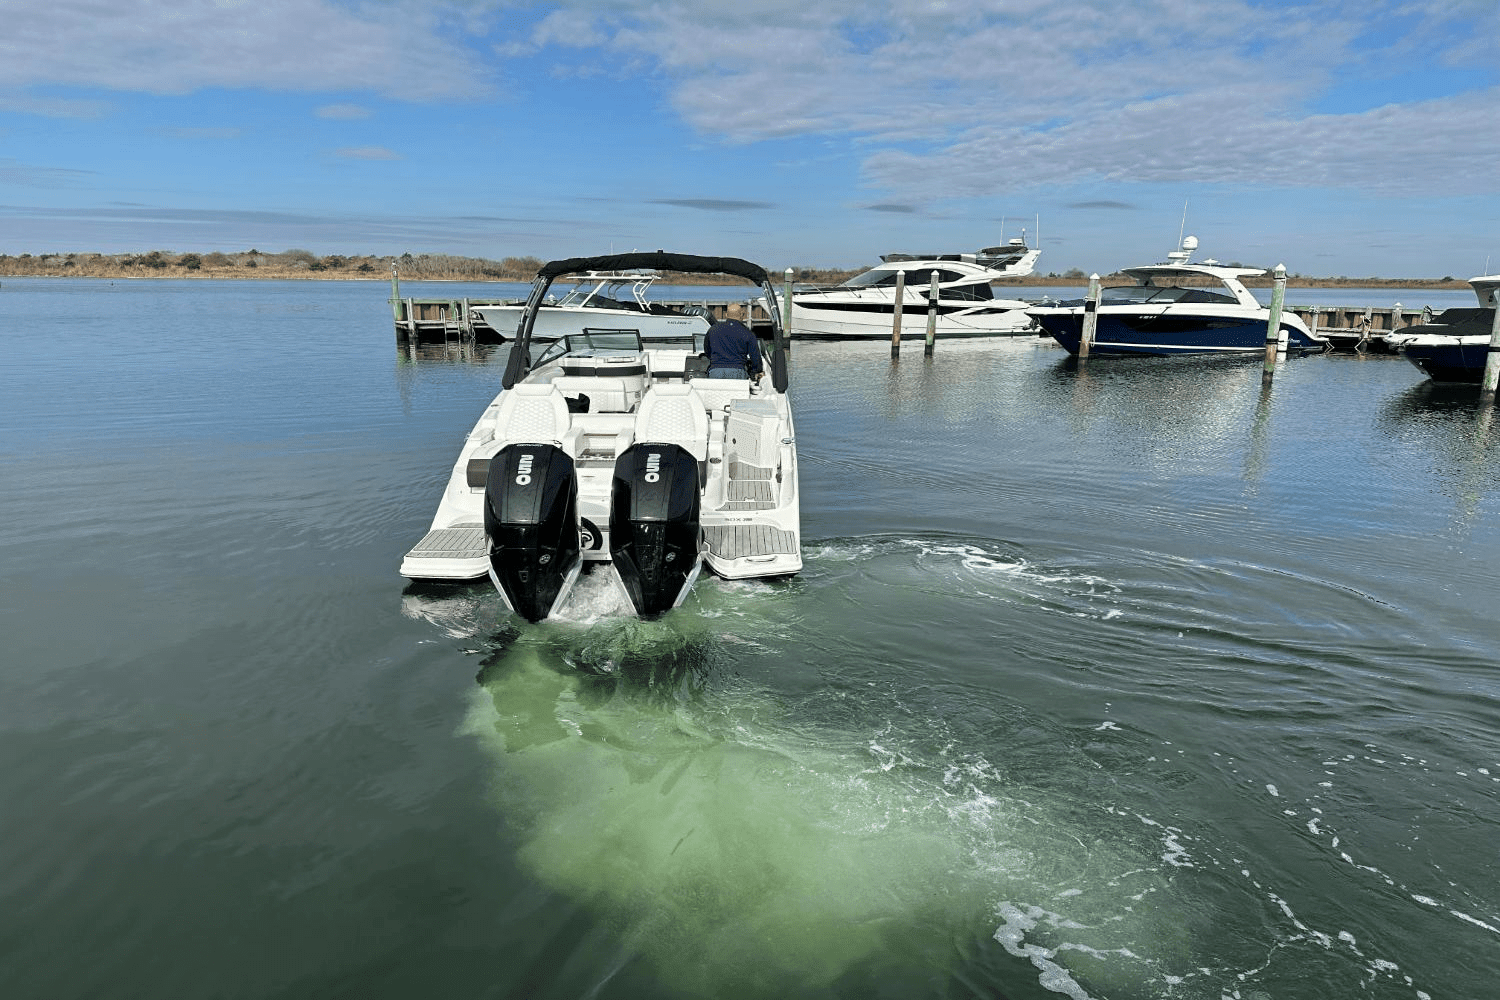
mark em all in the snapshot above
pixel 1182 230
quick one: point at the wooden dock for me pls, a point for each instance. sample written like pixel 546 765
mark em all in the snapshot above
pixel 425 321
pixel 1359 328
pixel 428 321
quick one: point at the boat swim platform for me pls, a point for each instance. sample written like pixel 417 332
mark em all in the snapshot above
pixel 461 552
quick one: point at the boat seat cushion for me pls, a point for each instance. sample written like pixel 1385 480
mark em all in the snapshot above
pixel 674 414
pixel 532 413
pixel 718 393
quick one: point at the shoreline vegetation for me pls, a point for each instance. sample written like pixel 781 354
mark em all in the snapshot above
pixel 305 265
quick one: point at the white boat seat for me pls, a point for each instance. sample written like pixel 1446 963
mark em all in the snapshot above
pixel 606 395
pixel 532 413
pixel 674 414
pixel 717 393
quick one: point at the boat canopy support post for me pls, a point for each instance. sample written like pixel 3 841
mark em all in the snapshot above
pixel 1491 377
pixel 1090 317
pixel 1273 322
pixel 900 306
pixel 932 303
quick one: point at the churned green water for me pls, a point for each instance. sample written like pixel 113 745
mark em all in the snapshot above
pixel 1122 680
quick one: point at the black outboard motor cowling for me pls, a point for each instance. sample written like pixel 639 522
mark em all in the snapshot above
pixel 654 531
pixel 531 524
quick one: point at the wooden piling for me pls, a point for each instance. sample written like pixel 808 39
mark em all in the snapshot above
pixel 1090 317
pixel 1273 323
pixel 932 312
pixel 396 303
pixel 786 311
pixel 896 313
pixel 1491 376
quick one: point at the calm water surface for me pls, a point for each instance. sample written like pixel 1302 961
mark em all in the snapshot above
pixel 1115 681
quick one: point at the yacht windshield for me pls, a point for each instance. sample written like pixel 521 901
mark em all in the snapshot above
pixel 1160 295
pixel 883 278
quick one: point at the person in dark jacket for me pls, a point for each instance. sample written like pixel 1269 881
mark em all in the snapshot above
pixel 731 347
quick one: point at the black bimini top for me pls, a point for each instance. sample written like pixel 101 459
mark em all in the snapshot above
pixel 519 361
pixel 659 260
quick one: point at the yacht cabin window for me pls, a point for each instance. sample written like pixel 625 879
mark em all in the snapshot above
pixel 1161 294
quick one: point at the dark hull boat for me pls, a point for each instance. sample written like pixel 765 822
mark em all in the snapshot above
pixel 1176 307
pixel 1451 348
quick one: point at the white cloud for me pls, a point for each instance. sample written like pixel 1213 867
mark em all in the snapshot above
pixel 367 153
pixel 178 46
pixel 990 96
pixel 343 112
pixel 27 175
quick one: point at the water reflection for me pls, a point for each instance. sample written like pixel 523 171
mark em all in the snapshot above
pixel 1165 410
pixel 1455 429
pixel 446 352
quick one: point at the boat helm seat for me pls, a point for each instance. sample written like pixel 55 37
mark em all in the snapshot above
pixel 532 413
pixel 674 414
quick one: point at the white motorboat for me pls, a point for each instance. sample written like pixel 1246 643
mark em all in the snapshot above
pixel 608 453
pixel 864 306
pixel 1177 307
pixel 606 299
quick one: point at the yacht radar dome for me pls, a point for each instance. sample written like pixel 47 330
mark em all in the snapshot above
pixel 1189 244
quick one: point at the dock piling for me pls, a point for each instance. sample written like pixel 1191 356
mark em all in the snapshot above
pixel 900 306
pixel 786 310
pixel 1273 323
pixel 932 305
pixel 1090 317
pixel 1491 376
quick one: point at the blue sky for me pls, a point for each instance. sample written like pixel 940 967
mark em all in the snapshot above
pixel 1340 138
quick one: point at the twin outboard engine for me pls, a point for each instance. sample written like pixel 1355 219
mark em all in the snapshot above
pixel 654 532
pixel 531 523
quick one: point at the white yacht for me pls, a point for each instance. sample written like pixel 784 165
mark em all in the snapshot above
pixel 864 306
pixel 606 299
pixel 606 453
pixel 1177 307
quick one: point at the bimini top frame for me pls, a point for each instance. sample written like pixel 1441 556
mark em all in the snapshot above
pixel 519 362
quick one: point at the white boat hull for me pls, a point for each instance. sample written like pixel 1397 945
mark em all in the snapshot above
pixel 750 513
pixel 553 322
pixel 852 318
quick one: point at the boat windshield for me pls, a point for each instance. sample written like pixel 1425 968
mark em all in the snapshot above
pixel 1160 295
pixel 615 292
pixel 692 342
pixel 591 340
pixel 882 277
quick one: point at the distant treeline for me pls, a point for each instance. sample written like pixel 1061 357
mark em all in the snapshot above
pixel 447 267
pixel 255 264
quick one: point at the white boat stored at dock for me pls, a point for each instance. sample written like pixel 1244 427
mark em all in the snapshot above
pixel 612 299
pixel 863 308
pixel 609 454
